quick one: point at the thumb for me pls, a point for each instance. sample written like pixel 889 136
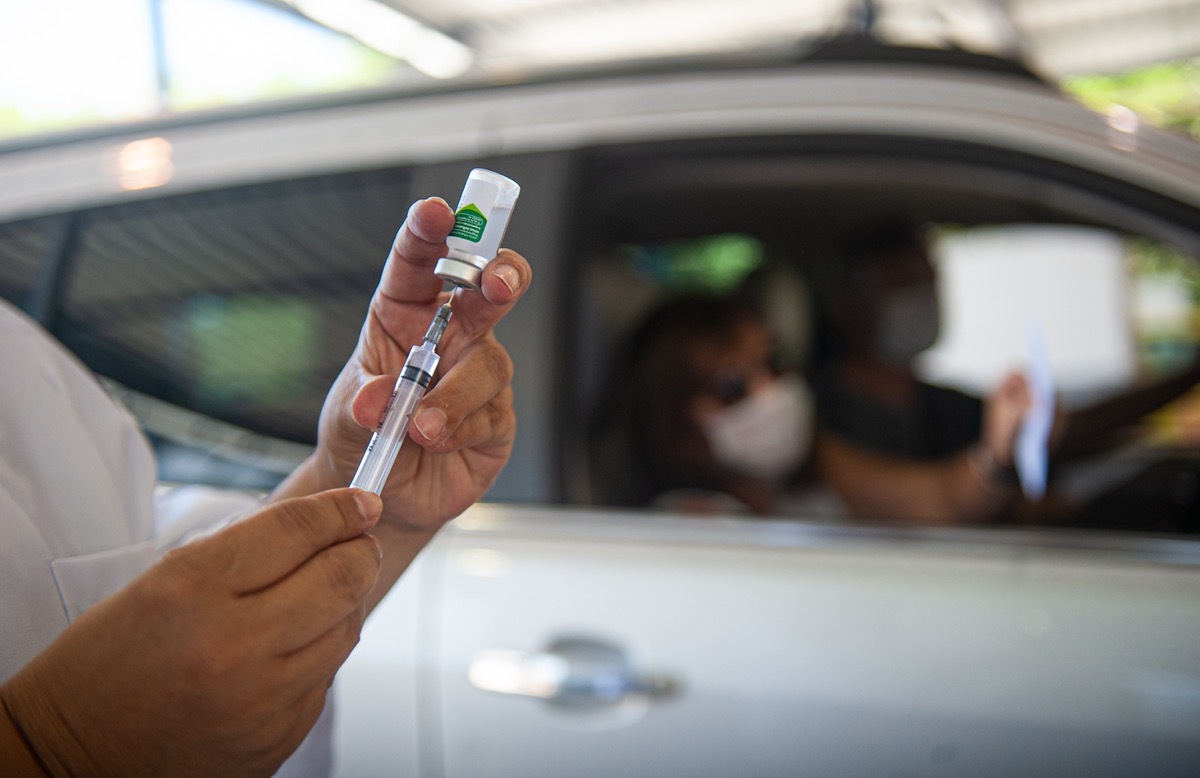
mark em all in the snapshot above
pixel 269 544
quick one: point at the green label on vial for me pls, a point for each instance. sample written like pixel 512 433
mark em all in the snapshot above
pixel 469 223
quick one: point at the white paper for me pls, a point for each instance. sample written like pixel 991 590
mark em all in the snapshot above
pixel 1031 456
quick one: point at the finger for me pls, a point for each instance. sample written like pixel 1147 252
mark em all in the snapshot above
pixel 482 373
pixel 270 544
pixel 420 243
pixel 1016 384
pixel 319 594
pixel 470 381
pixel 491 426
pixel 504 281
pixel 371 399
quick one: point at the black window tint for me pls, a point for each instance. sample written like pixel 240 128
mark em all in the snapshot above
pixel 240 304
pixel 23 245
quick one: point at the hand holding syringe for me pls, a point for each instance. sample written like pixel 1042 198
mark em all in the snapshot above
pixel 480 221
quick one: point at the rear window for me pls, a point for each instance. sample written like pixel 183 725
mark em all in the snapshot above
pixel 235 307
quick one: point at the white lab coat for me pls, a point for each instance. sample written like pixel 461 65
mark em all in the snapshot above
pixel 80 515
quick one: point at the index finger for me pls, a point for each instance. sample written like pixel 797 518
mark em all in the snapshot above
pixel 266 546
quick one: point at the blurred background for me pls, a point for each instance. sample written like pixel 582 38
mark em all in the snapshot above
pixel 68 64
pixel 72 70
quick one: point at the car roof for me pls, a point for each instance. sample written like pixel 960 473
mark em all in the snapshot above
pixel 838 89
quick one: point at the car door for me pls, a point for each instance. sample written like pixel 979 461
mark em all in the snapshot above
pixel 548 642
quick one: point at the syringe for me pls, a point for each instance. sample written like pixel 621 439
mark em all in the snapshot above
pixel 479 223
pixel 393 426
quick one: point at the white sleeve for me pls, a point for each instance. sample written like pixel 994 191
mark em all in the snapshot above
pixel 184 513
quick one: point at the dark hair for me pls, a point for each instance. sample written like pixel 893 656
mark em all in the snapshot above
pixel 871 241
pixel 851 300
pixel 645 427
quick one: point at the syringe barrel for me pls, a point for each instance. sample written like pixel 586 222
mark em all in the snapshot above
pixel 393 426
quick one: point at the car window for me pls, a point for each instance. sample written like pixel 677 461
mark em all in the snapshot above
pixel 1129 316
pixel 236 307
pixel 23 245
pixel 1017 256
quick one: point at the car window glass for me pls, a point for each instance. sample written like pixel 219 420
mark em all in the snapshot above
pixel 1114 307
pixel 1130 317
pixel 238 305
pixel 23 245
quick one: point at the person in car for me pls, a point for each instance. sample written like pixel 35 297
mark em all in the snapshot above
pixel 885 312
pixel 698 418
pixel 706 423
pixel 216 659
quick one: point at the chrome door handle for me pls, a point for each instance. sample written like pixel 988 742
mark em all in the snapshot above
pixel 571 672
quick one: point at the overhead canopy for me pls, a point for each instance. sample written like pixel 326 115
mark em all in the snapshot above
pixel 517 37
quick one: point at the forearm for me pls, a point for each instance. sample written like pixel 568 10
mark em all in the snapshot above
pixel 956 490
pixel 33 739
pixel 311 476
pixel 982 487
pixel 400 548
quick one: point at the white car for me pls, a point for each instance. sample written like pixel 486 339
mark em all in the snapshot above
pixel 216 270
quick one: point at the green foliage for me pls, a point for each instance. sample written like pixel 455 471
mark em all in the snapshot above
pixel 1166 313
pixel 15 122
pixel 1150 258
pixel 11 122
pixel 717 263
pixel 1166 95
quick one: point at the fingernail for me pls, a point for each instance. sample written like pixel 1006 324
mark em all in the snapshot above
pixel 369 504
pixel 509 275
pixel 378 546
pixel 430 422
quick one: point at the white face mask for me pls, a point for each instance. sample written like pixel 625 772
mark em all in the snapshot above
pixel 908 324
pixel 767 434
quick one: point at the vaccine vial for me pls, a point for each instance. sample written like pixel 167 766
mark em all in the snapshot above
pixel 479 223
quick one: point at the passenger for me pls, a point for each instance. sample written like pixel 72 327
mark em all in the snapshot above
pixel 703 421
pixel 699 418
pixel 217 659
